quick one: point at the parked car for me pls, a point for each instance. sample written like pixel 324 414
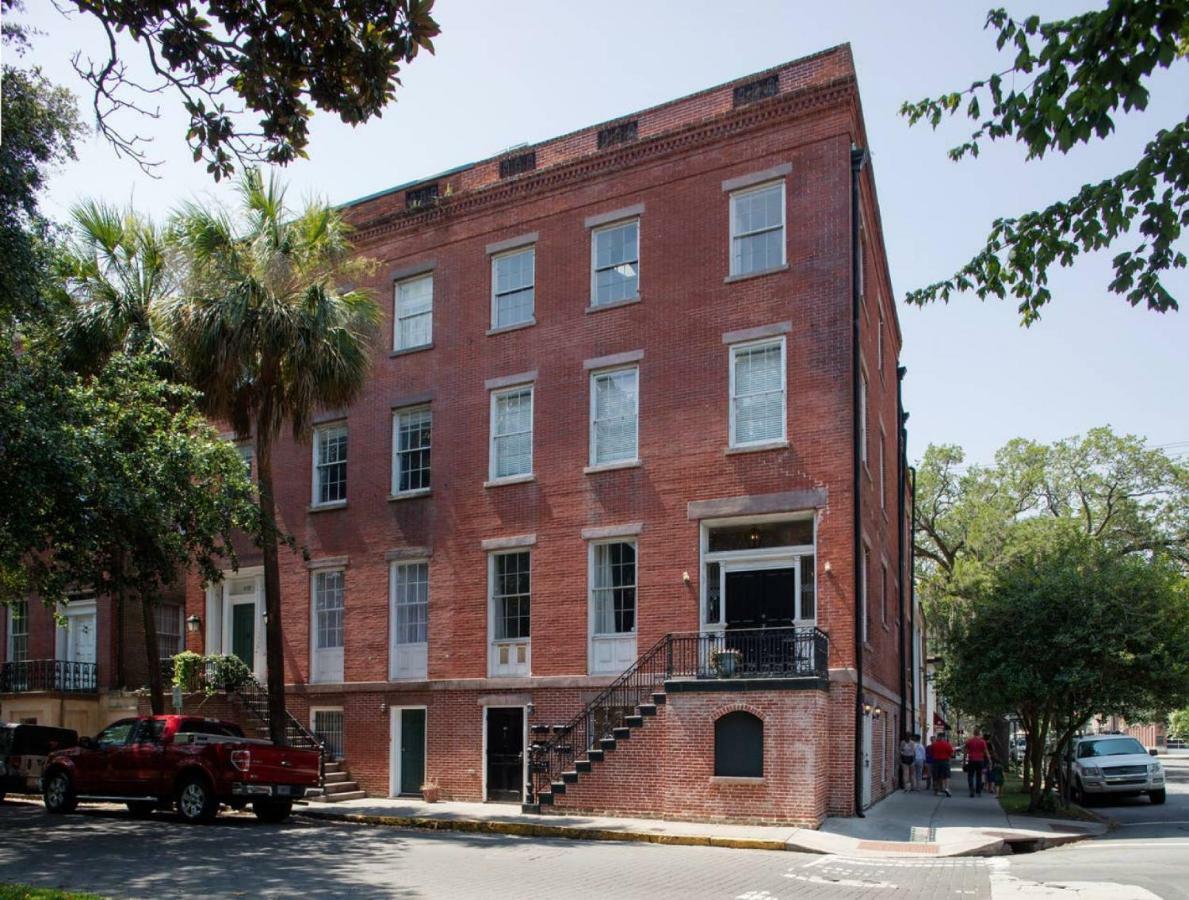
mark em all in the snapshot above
pixel 23 752
pixel 1114 765
pixel 155 762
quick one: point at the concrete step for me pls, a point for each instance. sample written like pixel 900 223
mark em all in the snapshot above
pixel 329 766
pixel 339 798
pixel 341 787
pixel 336 777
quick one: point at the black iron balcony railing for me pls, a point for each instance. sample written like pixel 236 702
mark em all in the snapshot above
pixel 24 676
pixel 771 653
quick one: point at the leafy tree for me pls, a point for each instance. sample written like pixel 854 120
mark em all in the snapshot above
pixel 114 482
pixel 1178 724
pixel 41 125
pixel 249 74
pixel 1074 75
pixel 1065 628
pixel 263 330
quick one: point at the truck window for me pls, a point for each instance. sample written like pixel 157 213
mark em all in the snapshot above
pixel 115 735
pixel 149 732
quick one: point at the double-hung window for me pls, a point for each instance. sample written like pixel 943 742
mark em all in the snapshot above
pixel 615 263
pixel 512 432
pixel 245 454
pixel 614 416
pixel 411 438
pixel 513 279
pixel 757 393
pixel 613 587
pixel 757 229
pixel 413 320
pixel 18 631
pixel 511 594
pixel 410 619
pixel 328 610
pixel 169 630
pixel 330 465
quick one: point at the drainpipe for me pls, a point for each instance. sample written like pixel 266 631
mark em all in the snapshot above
pixel 901 463
pixel 858 159
pixel 912 593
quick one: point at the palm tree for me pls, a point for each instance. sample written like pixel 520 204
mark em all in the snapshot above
pixel 112 278
pixel 261 327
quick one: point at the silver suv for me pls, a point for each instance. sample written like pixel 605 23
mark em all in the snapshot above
pixel 1114 764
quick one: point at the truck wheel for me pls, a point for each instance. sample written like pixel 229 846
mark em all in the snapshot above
pixel 196 802
pixel 141 809
pixel 1157 797
pixel 272 811
pixel 59 794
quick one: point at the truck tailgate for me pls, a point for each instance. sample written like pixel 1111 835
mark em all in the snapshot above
pixel 284 765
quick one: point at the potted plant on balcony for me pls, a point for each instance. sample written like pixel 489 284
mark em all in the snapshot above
pixel 431 792
pixel 725 662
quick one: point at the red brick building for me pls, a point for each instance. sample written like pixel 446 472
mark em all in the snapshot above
pixel 619 398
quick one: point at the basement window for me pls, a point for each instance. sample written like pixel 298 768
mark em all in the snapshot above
pixel 739 746
pixel 757 90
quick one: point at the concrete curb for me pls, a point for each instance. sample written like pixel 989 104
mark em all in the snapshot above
pixel 532 829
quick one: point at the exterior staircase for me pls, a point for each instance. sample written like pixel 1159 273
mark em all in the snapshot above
pixel 337 785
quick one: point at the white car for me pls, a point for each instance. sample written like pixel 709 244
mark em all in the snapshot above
pixel 1116 765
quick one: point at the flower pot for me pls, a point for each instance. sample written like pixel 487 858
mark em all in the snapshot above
pixel 431 793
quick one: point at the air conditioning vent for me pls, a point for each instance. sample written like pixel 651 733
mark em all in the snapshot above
pixel 618 134
pixel 757 90
pixel 515 165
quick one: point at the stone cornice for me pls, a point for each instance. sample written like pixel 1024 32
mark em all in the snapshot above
pixel 783 106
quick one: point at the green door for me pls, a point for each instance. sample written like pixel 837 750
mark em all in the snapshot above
pixel 412 750
pixel 243 632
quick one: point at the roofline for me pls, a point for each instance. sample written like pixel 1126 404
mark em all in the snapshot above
pixel 408 184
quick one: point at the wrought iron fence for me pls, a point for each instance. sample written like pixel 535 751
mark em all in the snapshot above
pixel 743 653
pixel 48 675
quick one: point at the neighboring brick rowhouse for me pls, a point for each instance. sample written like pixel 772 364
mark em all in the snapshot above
pixel 676 177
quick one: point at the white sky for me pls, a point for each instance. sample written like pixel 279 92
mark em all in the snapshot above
pixel 517 71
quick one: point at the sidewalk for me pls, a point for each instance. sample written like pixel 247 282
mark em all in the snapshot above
pixel 904 825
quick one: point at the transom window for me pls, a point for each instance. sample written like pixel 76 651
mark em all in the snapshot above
pixel 512 432
pixel 411 598
pixel 411 450
pixel 511 593
pixel 169 630
pixel 757 229
pixel 616 253
pixel 18 631
pixel 614 416
pixel 513 276
pixel 757 393
pixel 760 535
pixel 330 464
pixel 328 610
pixel 413 322
pixel 613 587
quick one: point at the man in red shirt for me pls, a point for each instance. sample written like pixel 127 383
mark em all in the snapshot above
pixel 943 752
pixel 976 761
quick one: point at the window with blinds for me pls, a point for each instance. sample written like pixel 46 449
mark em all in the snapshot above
pixel 513 277
pixel 757 229
pixel 614 416
pixel 757 393
pixel 414 313
pixel 512 432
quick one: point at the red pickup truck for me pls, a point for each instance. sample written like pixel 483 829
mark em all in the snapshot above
pixel 155 762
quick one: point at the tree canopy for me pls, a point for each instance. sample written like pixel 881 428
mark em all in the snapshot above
pixel 249 75
pixel 1074 75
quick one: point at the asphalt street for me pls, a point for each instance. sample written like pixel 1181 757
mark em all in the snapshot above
pixel 110 853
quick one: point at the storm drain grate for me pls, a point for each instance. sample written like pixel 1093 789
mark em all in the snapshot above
pixel 923 834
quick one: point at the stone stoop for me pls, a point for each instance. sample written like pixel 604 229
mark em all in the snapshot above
pixel 337 785
pixel 585 764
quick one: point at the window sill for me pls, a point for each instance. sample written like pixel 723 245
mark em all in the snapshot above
pixel 410 495
pixel 757 448
pixel 735 779
pixel 616 304
pixel 408 350
pixel 611 466
pixel 506 328
pixel 510 479
pixel 326 507
pixel 731 279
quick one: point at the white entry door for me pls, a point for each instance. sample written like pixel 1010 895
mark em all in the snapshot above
pixel 76 640
pixel 866 785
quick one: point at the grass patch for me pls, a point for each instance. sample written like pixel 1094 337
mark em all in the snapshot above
pixel 1014 800
pixel 27 892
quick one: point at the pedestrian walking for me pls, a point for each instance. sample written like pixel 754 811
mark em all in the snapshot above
pixel 995 777
pixel 943 752
pixel 976 761
pixel 918 765
pixel 907 762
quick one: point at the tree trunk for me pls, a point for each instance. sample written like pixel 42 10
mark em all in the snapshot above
pixel 148 612
pixel 1001 740
pixel 274 655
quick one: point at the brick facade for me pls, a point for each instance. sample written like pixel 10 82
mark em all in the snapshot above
pixel 673 174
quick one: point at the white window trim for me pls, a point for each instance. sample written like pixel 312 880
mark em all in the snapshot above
pixel 590 586
pixel 784 409
pixel 8 632
pixel 754 189
pixel 864 590
pixel 394 763
pixel 883 439
pixel 594 238
pixel 594 463
pixel 393 644
pixel 314 576
pixel 396 415
pixel 493 478
pixel 862 411
pixel 315 479
pixel 396 316
pixel 529 246
pixel 883 592
pixel 181 610
pixel 491 555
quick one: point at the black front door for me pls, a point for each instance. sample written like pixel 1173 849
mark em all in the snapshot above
pixel 505 753
pixel 761 598
pixel 412 750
